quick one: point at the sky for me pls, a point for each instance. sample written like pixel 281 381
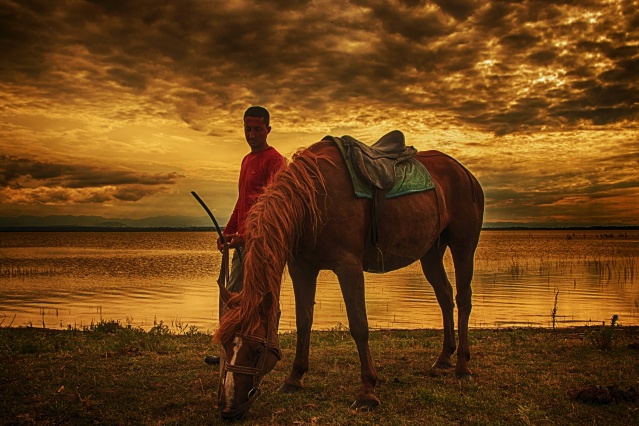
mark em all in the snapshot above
pixel 121 108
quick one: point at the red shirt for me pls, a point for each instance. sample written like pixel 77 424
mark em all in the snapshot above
pixel 257 171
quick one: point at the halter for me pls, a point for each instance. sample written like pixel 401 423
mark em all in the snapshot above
pixel 257 372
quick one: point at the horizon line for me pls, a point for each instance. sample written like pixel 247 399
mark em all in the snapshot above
pixel 195 228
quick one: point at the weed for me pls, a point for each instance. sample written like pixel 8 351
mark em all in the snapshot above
pixel 183 328
pixel 553 312
pixel 160 329
pixel 339 327
pixel 515 269
pixel 26 271
pixel 105 326
pixel 605 338
pixel 529 415
pixel 4 317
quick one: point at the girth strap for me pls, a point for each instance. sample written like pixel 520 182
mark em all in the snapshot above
pixel 373 255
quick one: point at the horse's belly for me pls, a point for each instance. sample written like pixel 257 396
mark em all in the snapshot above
pixel 384 264
pixel 406 229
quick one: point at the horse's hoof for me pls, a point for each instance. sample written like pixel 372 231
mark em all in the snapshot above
pixel 464 376
pixel 212 360
pixel 289 388
pixel 365 404
pixel 437 372
pixel 442 365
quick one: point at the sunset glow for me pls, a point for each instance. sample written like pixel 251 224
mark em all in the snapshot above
pixel 120 109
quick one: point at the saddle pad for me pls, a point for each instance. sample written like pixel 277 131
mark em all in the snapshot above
pixel 410 176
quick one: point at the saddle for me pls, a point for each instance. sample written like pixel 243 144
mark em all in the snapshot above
pixel 375 164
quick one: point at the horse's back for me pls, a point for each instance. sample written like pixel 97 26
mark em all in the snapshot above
pixel 449 172
pixel 407 225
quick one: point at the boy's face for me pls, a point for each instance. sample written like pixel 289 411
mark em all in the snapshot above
pixel 256 133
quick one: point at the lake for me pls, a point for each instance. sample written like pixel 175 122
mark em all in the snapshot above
pixel 57 279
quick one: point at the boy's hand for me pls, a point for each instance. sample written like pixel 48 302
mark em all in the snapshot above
pixel 220 245
pixel 236 240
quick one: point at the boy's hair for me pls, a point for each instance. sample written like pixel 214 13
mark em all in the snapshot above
pixel 258 112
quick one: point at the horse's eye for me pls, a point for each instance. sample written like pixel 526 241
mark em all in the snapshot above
pixel 257 351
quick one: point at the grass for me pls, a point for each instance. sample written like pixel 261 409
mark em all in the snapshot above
pixel 114 374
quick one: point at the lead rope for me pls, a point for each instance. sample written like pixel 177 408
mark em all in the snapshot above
pixel 222 281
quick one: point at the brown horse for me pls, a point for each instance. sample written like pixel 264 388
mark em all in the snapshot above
pixel 310 219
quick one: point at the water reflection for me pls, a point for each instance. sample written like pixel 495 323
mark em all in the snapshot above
pixel 71 278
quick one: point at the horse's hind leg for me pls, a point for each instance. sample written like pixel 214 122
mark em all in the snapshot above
pixel 464 267
pixel 304 286
pixel 433 268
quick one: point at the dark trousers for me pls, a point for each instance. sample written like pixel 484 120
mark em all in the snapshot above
pixel 236 276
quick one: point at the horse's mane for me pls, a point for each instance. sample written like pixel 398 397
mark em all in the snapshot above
pixel 287 211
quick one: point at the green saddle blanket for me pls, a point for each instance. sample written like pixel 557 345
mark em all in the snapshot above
pixel 410 175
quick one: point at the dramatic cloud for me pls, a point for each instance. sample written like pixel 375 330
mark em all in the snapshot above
pixel 24 181
pixel 495 83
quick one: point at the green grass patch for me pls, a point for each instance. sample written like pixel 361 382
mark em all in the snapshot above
pixel 114 374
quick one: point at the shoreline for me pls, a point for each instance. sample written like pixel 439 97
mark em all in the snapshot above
pixel 72 228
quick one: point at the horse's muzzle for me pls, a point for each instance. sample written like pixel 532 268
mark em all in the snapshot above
pixel 232 416
pixel 238 413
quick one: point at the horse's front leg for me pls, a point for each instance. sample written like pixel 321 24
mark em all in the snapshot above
pixel 304 286
pixel 351 280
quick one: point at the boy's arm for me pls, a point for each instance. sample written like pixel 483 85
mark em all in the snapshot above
pixel 231 226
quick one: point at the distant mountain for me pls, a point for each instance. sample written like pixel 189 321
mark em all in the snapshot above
pixel 547 225
pixel 112 225
pixel 99 221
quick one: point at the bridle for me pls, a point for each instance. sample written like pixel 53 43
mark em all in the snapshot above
pixel 257 372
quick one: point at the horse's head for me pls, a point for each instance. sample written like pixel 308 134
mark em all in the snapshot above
pixel 248 357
